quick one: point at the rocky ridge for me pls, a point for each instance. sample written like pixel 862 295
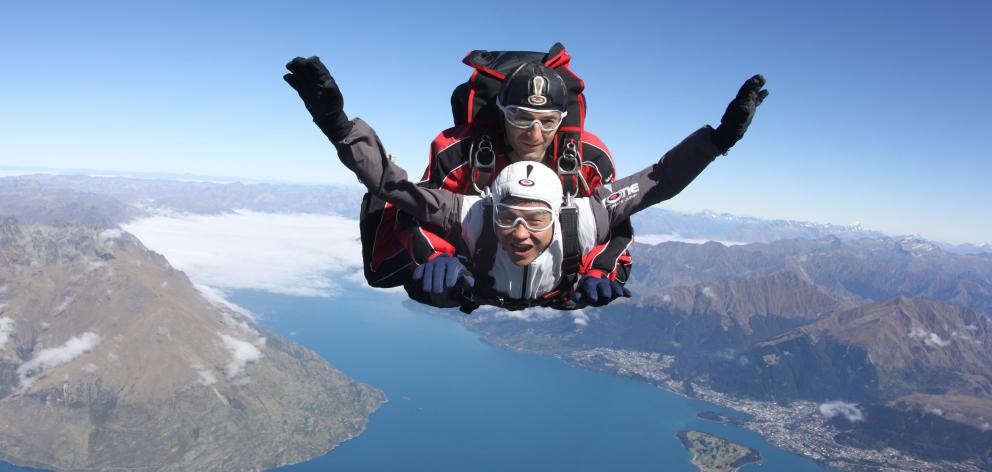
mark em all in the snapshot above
pixel 140 370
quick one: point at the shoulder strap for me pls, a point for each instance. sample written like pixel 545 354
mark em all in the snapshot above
pixel 484 255
pixel 483 259
pixel 571 250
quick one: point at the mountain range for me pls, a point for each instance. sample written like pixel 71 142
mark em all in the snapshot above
pixel 898 328
pixel 143 195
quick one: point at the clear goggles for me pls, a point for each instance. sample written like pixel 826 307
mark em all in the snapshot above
pixel 535 219
pixel 524 118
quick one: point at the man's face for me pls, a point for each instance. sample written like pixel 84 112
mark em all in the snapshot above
pixel 520 243
pixel 531 143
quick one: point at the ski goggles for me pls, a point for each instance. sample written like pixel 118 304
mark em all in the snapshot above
pixel 535 219
pixel 524 118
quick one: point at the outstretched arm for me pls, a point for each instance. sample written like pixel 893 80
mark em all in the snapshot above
pixel 680 165
pixel 361 151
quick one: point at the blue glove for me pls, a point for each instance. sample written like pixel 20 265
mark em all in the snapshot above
pixel 442 274
pixel 598 291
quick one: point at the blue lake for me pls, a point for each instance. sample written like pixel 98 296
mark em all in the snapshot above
pixel 456 403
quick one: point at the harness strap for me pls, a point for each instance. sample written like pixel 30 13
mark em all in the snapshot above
pixel 572 252
pixel 482 161
pixel 568 162
pixel 483 259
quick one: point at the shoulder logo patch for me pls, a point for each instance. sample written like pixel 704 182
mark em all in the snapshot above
pixel 622 195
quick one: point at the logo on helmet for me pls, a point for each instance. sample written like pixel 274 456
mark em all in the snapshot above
pixel 537 97
pixel 526 182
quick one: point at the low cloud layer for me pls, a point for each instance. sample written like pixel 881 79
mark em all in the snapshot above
pixel 294 254
pixel 654 239
pixel 579 317
pixel 527 314
pixel 849 411
pixel 50 358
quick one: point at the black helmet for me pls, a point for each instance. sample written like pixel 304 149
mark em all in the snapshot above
pixel 536 86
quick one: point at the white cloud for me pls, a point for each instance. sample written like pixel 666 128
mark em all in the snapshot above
pixel 928 338
pixel 242 353
pixel 207 378
pixel 708 291
pixel 358 277
pixel 971 327
pixel 296 254
pixel 580 317
pixel 47 359
pixel 65 304
pixel 90 368
pixel 108 235
pixel 654 239
pixel 527 314
pixel 216 298
pixel 726 354
pixel 6 329
pixel 849 411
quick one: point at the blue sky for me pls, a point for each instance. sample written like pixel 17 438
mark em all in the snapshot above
pixel 879 111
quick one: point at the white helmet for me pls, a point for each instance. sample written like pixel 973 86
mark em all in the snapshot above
pixel 529 181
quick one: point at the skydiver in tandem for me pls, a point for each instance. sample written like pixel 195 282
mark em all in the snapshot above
pixel 519 242
pixel 466 157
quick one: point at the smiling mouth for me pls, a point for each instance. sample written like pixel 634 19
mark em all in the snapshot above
pixel 520 249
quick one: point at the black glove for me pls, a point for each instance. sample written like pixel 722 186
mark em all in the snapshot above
pixel 738 116
pixel 440 276
pixel 598 291
pixel 320 94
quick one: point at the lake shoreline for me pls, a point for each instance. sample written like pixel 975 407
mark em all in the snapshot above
pixel 809 435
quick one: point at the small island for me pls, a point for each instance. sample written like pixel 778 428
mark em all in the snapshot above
pixel 714 454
